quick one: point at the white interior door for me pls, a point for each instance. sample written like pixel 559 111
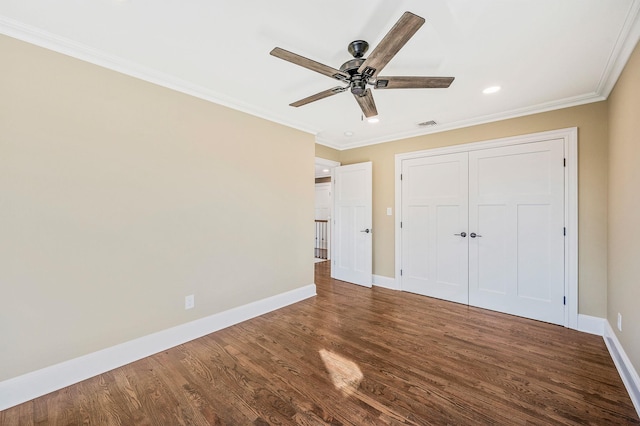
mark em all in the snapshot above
pixel 351 248
pixel 434 226
pixel 516 260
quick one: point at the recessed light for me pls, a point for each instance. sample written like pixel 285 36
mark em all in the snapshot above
pixel 492 89
pixel 325 170
pixel 348 134
pixel 373 119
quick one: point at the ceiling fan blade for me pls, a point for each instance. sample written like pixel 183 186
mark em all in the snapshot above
pixel 318 96
pixel 309 64
pixel 367 104
pixel 397 37
pixel 413 82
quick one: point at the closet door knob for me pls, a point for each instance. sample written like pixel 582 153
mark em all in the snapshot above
pixel 473 235
pixel 462 234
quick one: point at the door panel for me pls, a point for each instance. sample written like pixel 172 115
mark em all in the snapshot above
pixel 434 208
pixel 352 248
pixel 516 205
pixel 415 265
pixel 492 256
pixel 534 231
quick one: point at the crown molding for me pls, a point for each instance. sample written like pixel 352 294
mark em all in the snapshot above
pixel 625 43
pixel 38 37
pixel 505 115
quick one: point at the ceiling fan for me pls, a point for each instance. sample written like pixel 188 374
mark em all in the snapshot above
pixel 360 72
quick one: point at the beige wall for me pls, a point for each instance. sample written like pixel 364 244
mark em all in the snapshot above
pixel 591 121
pixel 119 198
pixel 327 153
pixel 624 208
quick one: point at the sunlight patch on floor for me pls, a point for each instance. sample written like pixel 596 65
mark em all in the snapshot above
pixel 345 374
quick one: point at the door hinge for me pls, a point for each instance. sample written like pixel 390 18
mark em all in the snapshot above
pixel 564 162
pixel 400 224
pixel 564 231
pixel 400 272
pixel 564 300
pixel 400 176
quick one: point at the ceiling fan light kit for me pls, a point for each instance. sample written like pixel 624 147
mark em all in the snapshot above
pixel 359 72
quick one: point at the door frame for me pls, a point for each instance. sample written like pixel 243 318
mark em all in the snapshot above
pixel 570 137
pixel 329 164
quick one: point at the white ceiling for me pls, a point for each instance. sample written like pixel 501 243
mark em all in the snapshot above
pixel 545 54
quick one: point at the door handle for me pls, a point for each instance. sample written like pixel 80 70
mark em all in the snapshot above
pixel 473 235
pixel 367 230
pixel 462 234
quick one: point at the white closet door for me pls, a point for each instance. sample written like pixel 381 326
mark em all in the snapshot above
pixel 434 209
pixel 352 231
pixel 516 208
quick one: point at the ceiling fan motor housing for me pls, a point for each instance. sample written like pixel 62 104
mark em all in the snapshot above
pixel 351 66
pixel 358 85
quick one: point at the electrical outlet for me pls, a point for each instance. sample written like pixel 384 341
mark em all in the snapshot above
pixel 619 321
pixel 189 301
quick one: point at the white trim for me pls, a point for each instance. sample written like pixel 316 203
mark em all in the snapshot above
pixel 591 325
pixel 628 374
pixel 626 42
pixel 570 137
pixel 41 382
pixel 491 143
pixel 571 222
pixel 325 162
pixel 386 282
pixel 475 121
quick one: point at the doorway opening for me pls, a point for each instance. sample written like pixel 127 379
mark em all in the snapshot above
pixel 323 209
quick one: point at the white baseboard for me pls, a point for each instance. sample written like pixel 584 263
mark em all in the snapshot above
pixel 41 382
pixel 628 374
pixel 386 282
pixel 591 325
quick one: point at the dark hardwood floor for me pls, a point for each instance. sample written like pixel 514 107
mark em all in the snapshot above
pixel 357 356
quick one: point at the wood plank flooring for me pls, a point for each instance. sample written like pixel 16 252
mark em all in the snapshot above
pixel 356 356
